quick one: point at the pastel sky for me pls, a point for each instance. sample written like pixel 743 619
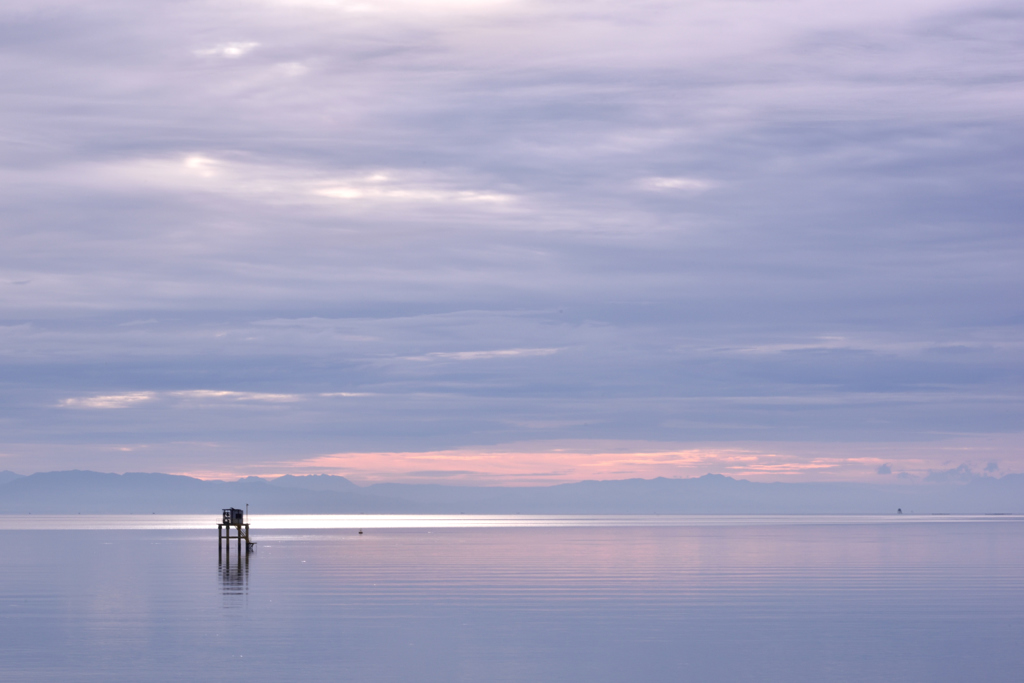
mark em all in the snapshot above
pixel 512 241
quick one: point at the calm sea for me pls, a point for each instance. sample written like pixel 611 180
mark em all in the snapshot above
pixel 531 599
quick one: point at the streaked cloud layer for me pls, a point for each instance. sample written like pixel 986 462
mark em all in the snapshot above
pixel 512 241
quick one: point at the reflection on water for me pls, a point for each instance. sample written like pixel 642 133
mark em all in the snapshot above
pixel 234 577
pixel 776 600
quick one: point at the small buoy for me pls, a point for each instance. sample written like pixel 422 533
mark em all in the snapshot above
pixel 360 532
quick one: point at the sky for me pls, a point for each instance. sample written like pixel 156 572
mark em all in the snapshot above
pixel 513 242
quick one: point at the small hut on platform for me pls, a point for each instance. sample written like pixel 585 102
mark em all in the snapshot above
pixel 234 519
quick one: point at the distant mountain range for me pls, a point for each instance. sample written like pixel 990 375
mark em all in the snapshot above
pixel 94 492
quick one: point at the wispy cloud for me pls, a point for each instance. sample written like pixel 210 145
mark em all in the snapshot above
pixel 383 187
pixel 483 355
pixel 203 394
pixel 127 400
pixel 290 184
pixel 553 462
pixel 385 7
pixel 109 400
pixel 229 50
pixel 878 344
pixel 677 183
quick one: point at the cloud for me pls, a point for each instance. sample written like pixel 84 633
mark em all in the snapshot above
pixel 235 395
pixel 420 8
pixel 229 50
pixel 484 355
pixel 884 469
pixel 201 172
pixel 777 232
pixel 128 400
pixel 879 344
pixel 352 192
pixel 109 401
pixel 685 184
pixel 558 461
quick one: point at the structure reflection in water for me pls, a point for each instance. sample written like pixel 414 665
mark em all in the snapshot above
pixel 234 578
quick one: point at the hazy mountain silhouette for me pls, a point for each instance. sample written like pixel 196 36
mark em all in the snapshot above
pixel 7 476
pixel 94 492
pixel 315 482
pixel 717 494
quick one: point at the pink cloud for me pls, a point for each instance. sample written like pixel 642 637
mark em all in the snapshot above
pixel 562 461
pixel 553 463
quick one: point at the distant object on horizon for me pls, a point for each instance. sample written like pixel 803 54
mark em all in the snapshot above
pixel 899 511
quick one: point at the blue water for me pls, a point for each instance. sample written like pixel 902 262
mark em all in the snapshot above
pixel 465 598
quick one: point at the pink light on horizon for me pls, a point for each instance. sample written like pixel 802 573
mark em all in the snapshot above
pixel 530 467
pixel 557 462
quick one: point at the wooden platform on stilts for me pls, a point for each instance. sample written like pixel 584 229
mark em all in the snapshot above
pixel 234 521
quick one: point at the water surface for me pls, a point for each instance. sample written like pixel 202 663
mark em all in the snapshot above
pixel 506 598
